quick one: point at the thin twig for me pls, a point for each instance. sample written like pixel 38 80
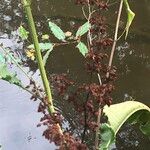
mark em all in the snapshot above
pixel 85 111
pixel 98 118
pixel 65 43
pixel 115 37
pixel 100 110
pixel 83 11
pixel 107 75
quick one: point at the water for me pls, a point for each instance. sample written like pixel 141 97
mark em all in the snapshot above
pixel 18 116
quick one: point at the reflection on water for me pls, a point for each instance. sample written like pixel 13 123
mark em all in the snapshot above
pixel 18 115
pixel 18 121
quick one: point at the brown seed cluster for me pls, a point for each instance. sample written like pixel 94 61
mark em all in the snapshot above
pixel 84 99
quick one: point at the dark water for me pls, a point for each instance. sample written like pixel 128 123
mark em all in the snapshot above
pixel 18 116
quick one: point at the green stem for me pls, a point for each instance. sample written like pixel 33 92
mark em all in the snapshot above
pixel 45 81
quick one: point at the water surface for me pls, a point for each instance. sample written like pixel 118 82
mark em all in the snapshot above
pixel 18 115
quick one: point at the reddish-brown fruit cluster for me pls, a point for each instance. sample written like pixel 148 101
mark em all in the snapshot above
pixel 99 4
pixel 37 91
pixel 84 99
pixel 61 83
pixel 95 63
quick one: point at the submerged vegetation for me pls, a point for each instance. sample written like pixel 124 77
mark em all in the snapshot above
pixel 97 120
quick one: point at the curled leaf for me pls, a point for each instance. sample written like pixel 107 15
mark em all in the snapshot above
pixel 135 111
pixel 130 17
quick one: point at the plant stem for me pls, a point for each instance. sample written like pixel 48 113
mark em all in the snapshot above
pixel 115 37
pixel 100 83
pixel 38 55
pixel 100 111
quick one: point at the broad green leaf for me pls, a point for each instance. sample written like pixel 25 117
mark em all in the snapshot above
pixel 83 29
pixel 43 46
pixel 23 33
pixel 47 55
pixel 82 48
pixel 118 114
pixel 6 75
pixel 125 109
pixel 130 17
pixel 107 136
pixel 58 33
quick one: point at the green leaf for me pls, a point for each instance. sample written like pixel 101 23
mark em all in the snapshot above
pixel 2 59
pixel 107 136
pixel 144 120
pixel 125 109
pixel 82 48
pixel 130 17
pixel 43 46
pixel 23 33
pixel 8 76
pixel 47 55
pixel 118 114
pixel 146 128
pixel 83 29
pixel 58 33
pixel 135 117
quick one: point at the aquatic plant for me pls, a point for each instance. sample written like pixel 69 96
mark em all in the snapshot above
pixel 91 100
